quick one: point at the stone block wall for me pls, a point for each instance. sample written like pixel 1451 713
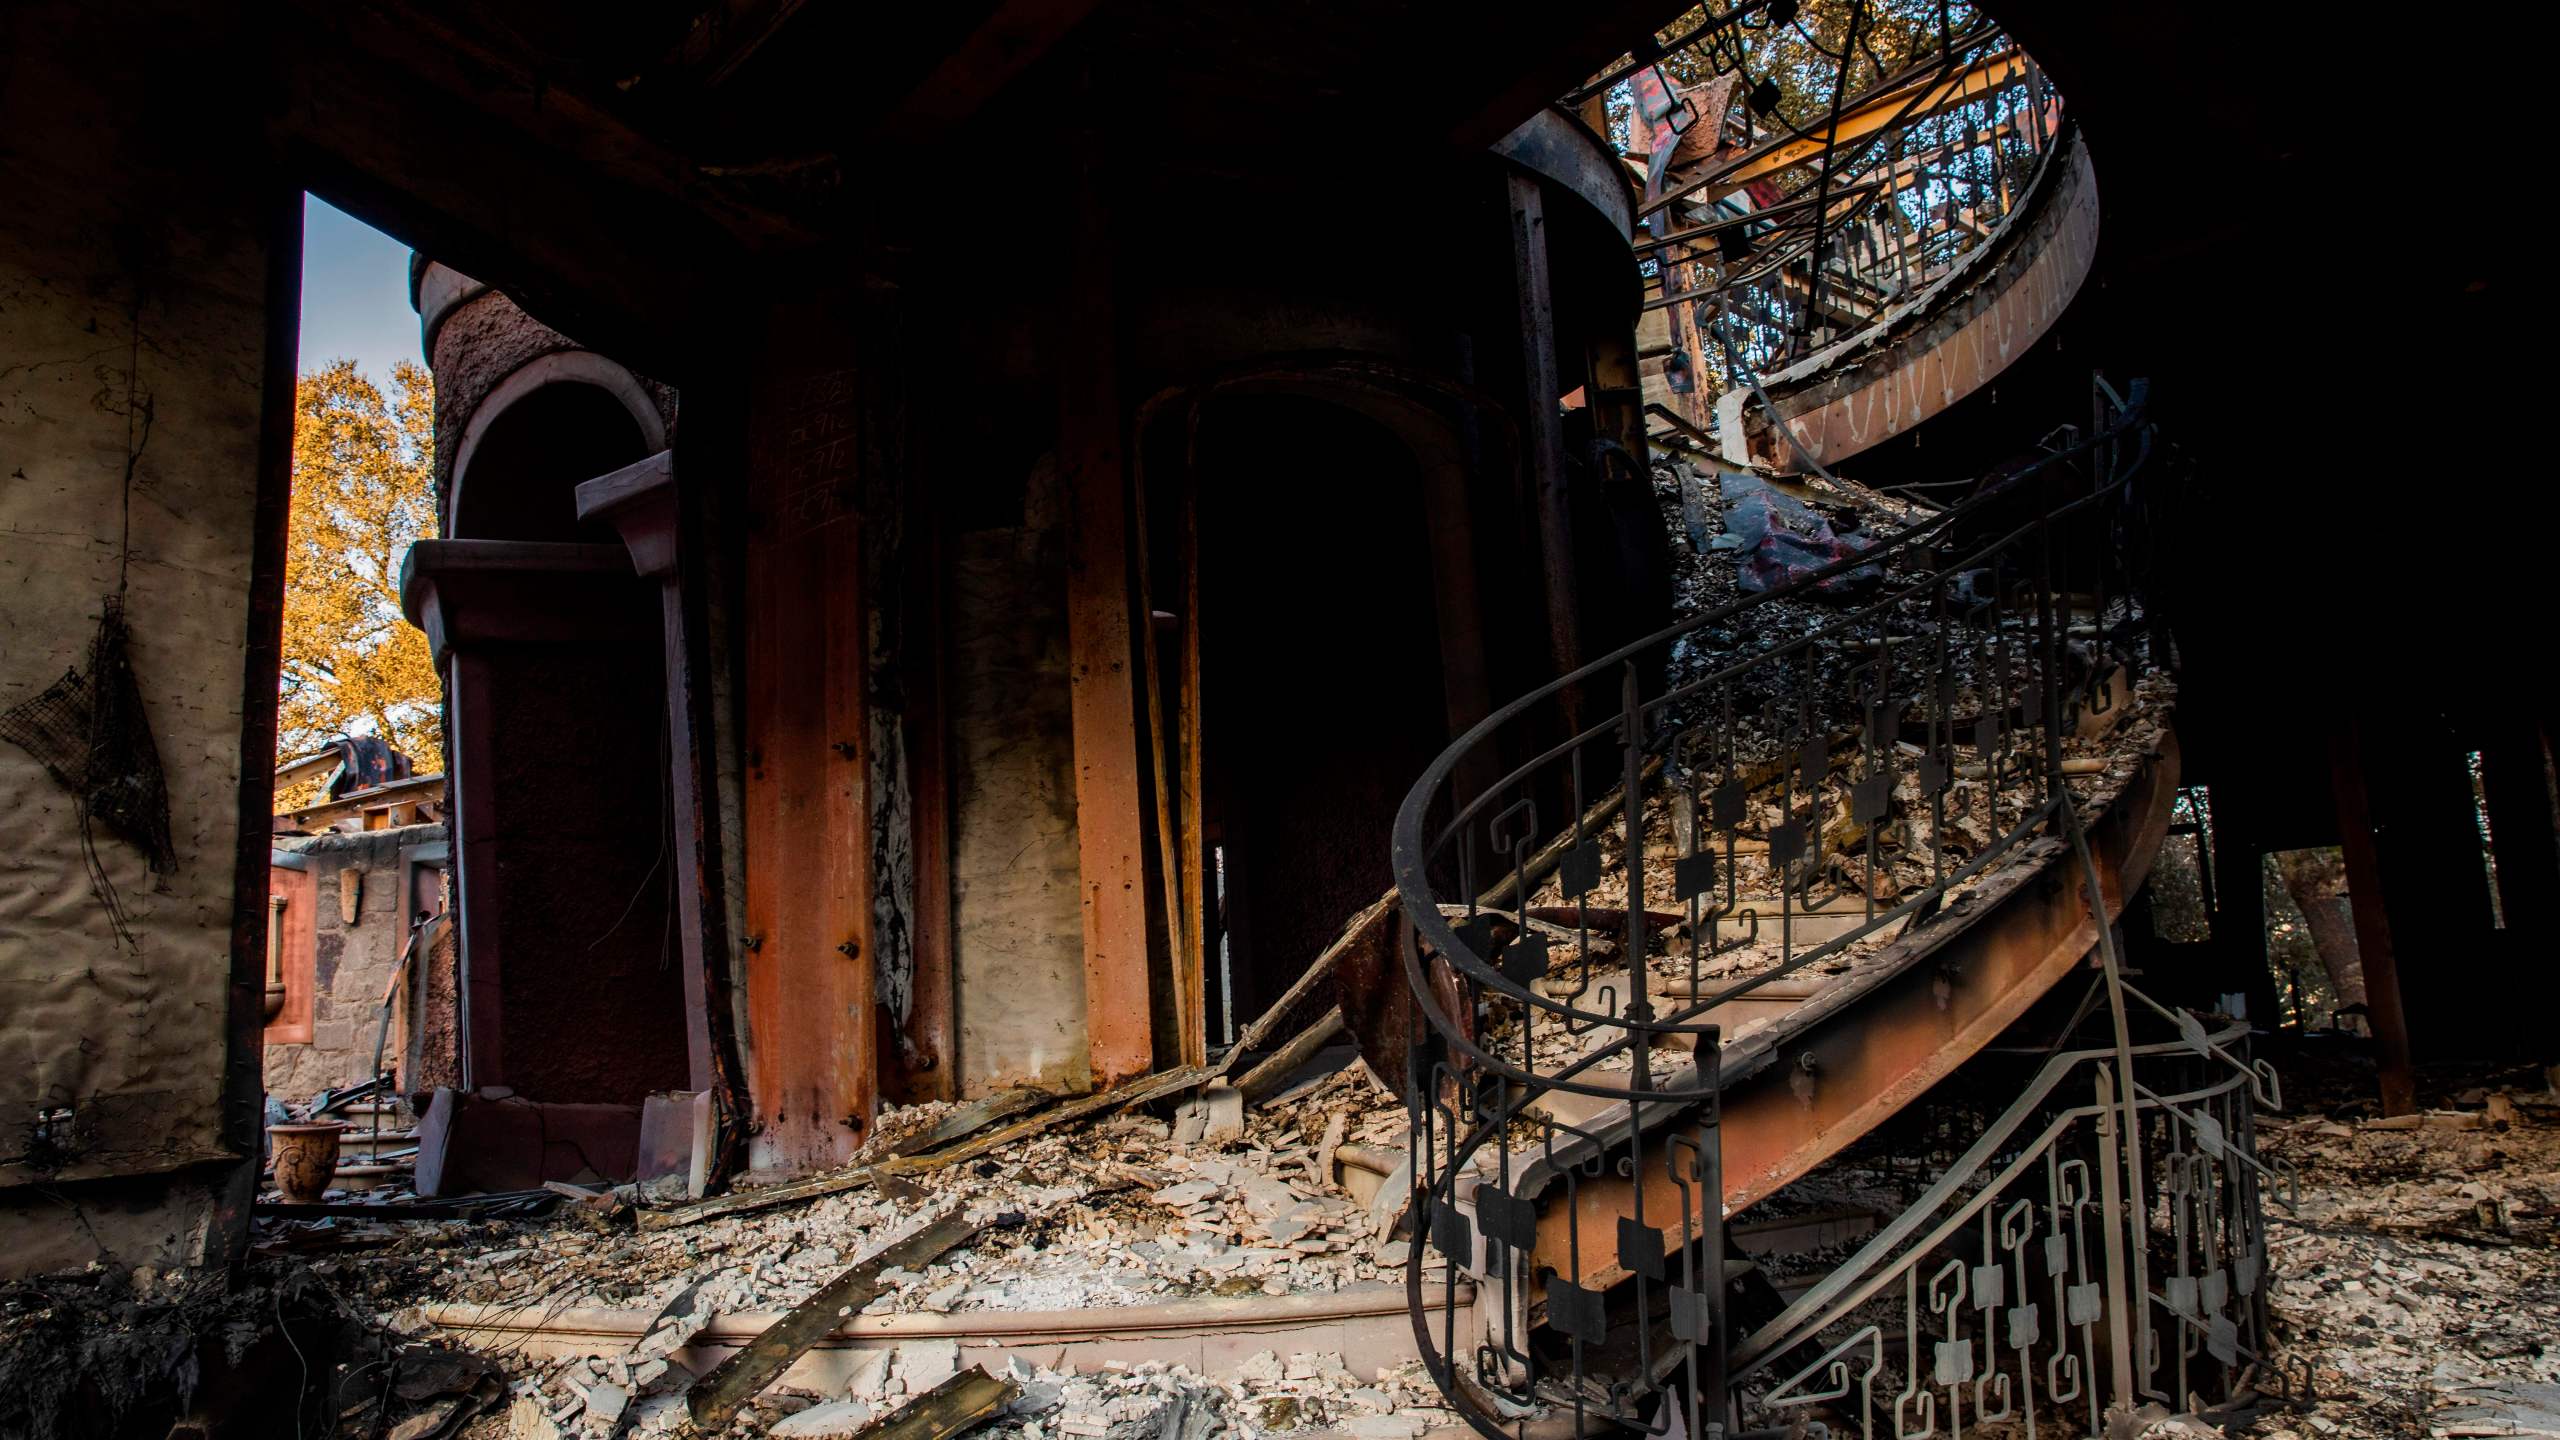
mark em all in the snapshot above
pixel 350 966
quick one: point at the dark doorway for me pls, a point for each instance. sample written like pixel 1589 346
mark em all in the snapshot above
pixel 1322 695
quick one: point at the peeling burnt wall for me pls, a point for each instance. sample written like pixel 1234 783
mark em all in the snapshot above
pixel 435 1042
pixel 889 791
pixel 1018 938
pixel 135 303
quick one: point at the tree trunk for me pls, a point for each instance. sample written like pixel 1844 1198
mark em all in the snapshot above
pixel 2317 880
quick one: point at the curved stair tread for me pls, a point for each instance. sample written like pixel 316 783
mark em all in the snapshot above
pixel 1879 1035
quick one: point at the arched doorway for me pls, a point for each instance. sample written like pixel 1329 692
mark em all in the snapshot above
pixel 517 473
pixel 551 646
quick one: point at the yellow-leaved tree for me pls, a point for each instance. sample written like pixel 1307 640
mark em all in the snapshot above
pixel 363 489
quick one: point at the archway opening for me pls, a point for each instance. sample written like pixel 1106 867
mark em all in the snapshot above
pixel 520 478
pixel 571 948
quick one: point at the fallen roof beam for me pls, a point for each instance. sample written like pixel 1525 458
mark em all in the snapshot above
pixel 740 1378
pixel 1124 1097
pixel 1892 105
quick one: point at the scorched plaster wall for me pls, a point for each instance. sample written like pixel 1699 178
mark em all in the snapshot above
pixel 137 237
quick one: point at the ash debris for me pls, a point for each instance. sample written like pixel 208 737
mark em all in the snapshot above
pixel 1114 1213
pixel 2418 1282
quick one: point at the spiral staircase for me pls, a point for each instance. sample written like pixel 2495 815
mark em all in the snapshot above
pixel 1711 911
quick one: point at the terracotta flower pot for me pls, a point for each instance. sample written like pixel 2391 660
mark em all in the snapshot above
pixel 306 1156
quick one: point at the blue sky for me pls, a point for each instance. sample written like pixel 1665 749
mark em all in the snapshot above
pixel 355 294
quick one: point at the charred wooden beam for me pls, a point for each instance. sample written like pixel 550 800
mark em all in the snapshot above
pixel 472 156
pixel 2383 1010
pixel 717 1397
pixel 1110 828
pixel 1542 427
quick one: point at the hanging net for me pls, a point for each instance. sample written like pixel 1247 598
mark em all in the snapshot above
pixel 90 732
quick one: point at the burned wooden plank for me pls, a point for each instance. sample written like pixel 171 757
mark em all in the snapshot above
pixel 1265 1077
pixel 1189 1030
pixel 1319 973
pixel 738 1379
pixel 1137 1093
pixel 969 1119
pixel 957 1405
pixel 465 1207
pixel 747 1202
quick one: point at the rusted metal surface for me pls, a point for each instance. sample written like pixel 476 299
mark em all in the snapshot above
pixel 1110 829
pixel 1376 1004
pixel 1542 436
pixel 807 951
pixel 1885 1033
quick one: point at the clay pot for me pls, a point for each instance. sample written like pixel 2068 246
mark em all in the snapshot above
pixel 306 1156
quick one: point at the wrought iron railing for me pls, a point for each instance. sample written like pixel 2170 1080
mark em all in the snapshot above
pixel 1792 234
pixel 1756 752
pixel 1993 1295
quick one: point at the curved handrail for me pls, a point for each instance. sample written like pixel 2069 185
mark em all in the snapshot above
pixel 1414 840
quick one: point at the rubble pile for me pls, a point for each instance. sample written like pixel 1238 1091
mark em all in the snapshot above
pixel 103 1352
pixel 1113 1214
pixel 2418 1281
pixel 1150 1400
pixel 1102 1213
